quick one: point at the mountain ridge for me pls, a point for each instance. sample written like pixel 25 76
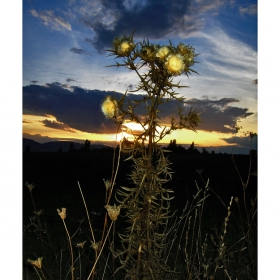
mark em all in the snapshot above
pixel 55 146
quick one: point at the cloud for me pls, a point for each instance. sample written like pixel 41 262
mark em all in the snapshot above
pixel 68 80
pixel 78 51
pixel 218 115
pixel 57 125
pixel 250 10
pixel 34 82
pixel 79 109
pixel 26 121
pixel 109 19
pixel 50 19
pixel 243 142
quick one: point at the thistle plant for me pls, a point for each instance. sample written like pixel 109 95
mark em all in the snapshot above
pixel 147 201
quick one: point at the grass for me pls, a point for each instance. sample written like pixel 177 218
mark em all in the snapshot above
pixel 204 239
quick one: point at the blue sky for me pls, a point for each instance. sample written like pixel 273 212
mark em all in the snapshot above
pixel 64 51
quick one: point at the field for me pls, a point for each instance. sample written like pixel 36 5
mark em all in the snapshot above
pixel 56 177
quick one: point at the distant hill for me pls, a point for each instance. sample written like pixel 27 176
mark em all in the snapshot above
pixel 55 146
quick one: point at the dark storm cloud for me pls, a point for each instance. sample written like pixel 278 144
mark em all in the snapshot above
pixel 78 51
pixel 77 108
pixel 243 141
pixel 218 115
pixel 153 19
pixel 57 125
pixel 68 80
pixel 34 82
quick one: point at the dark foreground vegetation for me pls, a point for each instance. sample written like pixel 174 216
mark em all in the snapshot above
pixel 56 176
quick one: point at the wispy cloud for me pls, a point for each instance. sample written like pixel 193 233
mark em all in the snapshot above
pixel 227 67
pixel 50 19
pixel 250 10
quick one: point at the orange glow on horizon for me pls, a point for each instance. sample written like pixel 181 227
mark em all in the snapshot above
pixel 33 125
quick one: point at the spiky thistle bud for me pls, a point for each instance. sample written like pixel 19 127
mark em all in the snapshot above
pixel 109 107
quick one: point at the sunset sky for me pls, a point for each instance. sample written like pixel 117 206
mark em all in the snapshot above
pixel 51 46
pixel 65 77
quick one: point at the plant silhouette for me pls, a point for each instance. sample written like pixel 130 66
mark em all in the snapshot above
pixel 147 201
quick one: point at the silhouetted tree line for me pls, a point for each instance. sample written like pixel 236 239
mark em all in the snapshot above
pixel 84 148
pixel 174 147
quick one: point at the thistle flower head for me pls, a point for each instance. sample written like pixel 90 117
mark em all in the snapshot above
pixel 163 52
pixel 175 64
pixel 188 55
pixel 124 46
pixel 62 213
pixel 109 107
pixel 185 50
pixel 113 211
pixel 148 53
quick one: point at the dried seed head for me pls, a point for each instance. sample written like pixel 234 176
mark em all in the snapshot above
pixel 38 213
pixel 62 213
pixel 95 245
pixel 81 244
pixel 199 171
pixel 30 186
pixel 113 211
pixel 107 184
pixel 37 263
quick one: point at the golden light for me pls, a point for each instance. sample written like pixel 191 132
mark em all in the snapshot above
pixel 133 128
